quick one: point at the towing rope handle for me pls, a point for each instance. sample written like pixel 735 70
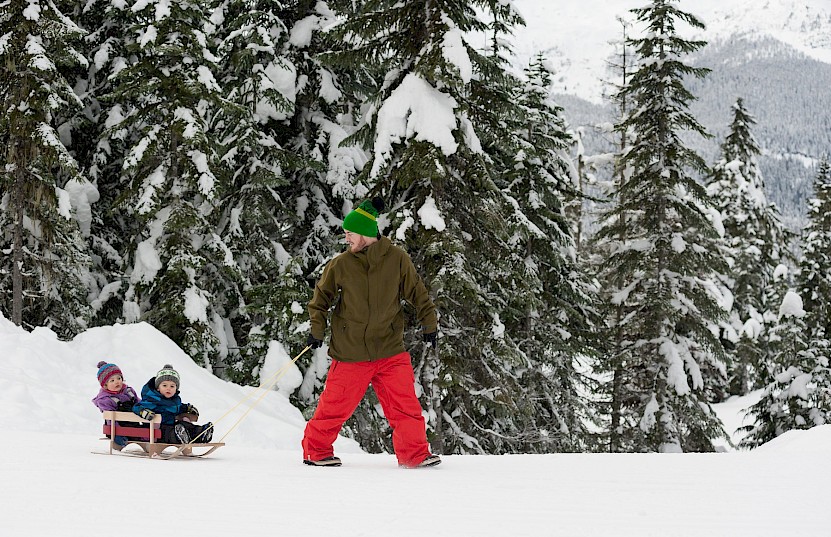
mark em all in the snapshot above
pixel 265 387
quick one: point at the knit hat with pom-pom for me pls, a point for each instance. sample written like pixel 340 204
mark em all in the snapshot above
pixel 363 220
pixel 167 373
pixel 107 370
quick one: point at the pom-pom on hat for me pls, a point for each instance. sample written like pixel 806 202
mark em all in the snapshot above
pixel 363 220
pixel 167 373
pixel 105 371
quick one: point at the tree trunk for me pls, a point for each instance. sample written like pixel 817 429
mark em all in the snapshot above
pixel 17 247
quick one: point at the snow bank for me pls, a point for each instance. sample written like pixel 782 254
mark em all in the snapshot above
pixel 47 385
pixel 814 440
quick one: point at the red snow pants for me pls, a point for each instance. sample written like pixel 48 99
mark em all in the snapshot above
pixel 392 379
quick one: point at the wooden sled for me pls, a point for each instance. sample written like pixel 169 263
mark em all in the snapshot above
pixel 146 438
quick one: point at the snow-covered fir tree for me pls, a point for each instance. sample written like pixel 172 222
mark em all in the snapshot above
pixel 323 187
pixel 183 277
pixel 664 255
pixel 43 275
pixel 552 301
pixel 797 396
pixel 100 152
pixel 756 242
pixel 254 217
pixel 814 279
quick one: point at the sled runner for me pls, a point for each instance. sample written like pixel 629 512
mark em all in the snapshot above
pixel 146 438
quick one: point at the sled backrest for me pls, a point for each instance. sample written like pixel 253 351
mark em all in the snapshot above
pixel 151 432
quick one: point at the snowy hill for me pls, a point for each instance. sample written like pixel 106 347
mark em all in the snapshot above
pixel 53 485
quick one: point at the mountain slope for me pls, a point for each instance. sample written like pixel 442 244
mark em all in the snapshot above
pixel 775 54
pixel 577 36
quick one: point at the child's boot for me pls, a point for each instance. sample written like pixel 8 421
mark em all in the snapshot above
pixel 181 434
pixel 207 433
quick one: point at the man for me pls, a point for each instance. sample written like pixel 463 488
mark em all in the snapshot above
pixel 365 285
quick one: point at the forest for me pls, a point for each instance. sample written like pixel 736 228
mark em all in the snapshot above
pixel 189 164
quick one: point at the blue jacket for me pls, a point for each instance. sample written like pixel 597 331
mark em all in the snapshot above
pixel 167 407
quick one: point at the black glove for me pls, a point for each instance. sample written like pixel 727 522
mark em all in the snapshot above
pixel 125 406
pixel 147 414
pixel 431 338
pixel 189 409
pixel 313 342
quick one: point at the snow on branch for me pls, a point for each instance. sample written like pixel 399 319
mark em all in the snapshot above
pixel 415 109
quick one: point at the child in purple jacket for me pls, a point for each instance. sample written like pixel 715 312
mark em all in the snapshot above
pixel 114 394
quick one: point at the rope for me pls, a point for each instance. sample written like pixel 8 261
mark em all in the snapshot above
pixel 265 387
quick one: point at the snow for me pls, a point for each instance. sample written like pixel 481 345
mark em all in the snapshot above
pixel 162 10
pixel 414 110
pixel 151 183
pixel 53 485
pixel 196 305
pixel 329 91
pixel 281 76
pixel 732 415
pixel 430 216
pixel 752 329
pixel 147 263
pixel 32 11
pixel 206 177
pixel 301 33
pixel 278 366
pixel 81 194
pixel 791 306
pixel 147 35
pixel 454 52
pixel 678 243
pixel 676 376
pixel 4 42
pixel 206 78
pixel 39 61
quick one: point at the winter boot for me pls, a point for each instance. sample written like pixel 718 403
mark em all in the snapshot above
pixel 181 434
pixel 431 460
pixel 206 433
pixel 328 461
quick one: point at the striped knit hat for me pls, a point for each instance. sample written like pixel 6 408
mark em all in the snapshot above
pixel 105 371
pixel 363 220
pixel 167 373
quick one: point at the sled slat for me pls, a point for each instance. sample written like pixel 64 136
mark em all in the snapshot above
pixel 141 433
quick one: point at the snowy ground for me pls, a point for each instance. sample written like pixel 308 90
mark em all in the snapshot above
pixel 52 484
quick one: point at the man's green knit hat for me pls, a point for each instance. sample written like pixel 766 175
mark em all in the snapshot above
pixel 363 220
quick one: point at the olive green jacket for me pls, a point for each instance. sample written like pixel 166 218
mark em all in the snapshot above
pixel 366 290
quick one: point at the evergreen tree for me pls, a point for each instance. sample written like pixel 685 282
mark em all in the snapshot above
pixel 100 151
pixel 798 395
pixel 815 266
pixel 48 259
pixel 663 256
pixel 755 238
pixel 254 217
pixel 183 277
pixel 551 310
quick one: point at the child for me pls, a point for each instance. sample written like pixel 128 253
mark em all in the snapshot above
pixel 114 395
pixel 161 396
